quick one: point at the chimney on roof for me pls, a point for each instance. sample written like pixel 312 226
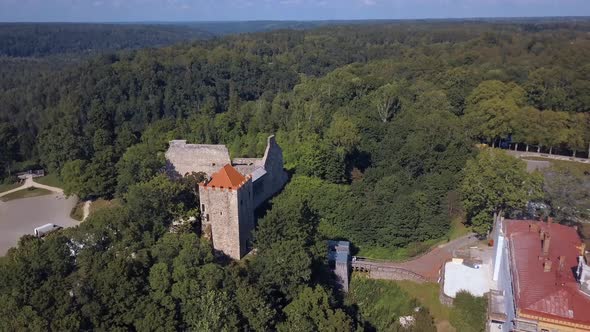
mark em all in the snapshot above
pixel 546 243
pixel 541 234
pixel 583 249
pixel 561 263
pixel 547 265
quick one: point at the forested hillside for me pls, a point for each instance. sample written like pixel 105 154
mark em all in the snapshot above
pixel 377 123
pixel 389 112
pixel 43 39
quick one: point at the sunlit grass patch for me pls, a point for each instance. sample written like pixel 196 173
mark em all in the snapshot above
pixel 25 193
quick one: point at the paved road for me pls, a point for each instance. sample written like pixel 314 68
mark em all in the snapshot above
pixel 428 265
pixel 30 183
pixel 523 154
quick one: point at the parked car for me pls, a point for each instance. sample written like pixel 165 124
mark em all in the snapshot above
pixel 46 229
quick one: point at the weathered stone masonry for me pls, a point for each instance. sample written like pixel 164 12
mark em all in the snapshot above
pixel 232 192
pixel 228 217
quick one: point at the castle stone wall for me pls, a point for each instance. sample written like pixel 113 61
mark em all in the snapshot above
pixel 275 178
pixel 182 158
pixel 342 272
pixel 229 216
pixel 219 215
pixel 246 217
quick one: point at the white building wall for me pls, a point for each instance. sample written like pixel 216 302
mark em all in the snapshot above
pixel 498 255
pixel 501 272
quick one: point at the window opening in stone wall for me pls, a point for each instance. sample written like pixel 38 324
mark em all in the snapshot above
pixel 207 216
pixel 202 207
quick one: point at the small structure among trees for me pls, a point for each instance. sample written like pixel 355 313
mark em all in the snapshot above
pixel 339 259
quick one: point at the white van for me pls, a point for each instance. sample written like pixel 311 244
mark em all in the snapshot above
pixel 46 229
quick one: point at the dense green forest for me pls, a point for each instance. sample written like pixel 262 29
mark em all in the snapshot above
pixel 378 123
pixel 384 116
pixel 42 39
pixel 76 39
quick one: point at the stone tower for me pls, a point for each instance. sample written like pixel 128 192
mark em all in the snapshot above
pixel 227 211
pixel 234 190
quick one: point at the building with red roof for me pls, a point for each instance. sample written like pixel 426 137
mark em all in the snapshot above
pixel 549 272
pixel 227 210
pixel 227 177
pixel 233 189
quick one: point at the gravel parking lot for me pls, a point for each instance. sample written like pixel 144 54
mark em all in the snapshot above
pixel 21 216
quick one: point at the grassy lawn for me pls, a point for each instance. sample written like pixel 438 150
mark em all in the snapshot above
pixel 413 249
pixel 25 193
pixel 7 187
pixel 457 230
pixel 77 212
pixel 382 302
pixel 100 204
pixel 50 180
pixel 427 295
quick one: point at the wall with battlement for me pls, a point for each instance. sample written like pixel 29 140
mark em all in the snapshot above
pixel 182 158
pixel 275 178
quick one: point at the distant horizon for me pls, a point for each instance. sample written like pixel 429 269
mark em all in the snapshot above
pixel 466 18
pixel 123 11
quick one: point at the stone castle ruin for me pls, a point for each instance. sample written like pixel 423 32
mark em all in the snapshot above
pixel 234 189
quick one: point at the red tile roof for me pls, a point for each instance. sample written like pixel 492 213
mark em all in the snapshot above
pixel 227 177
pixel 554 294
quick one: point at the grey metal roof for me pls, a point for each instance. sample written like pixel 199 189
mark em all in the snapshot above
pixel 338 251
pixel 339 245
pixel 258 173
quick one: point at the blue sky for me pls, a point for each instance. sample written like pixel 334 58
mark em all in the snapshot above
pixel 212 10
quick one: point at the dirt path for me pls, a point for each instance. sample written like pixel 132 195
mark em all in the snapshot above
pixel 86 210
pixel 29 183
pixel 50 188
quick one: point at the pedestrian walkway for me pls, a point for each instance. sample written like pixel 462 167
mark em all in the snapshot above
pixel 29 183
pixel 86 210
pixel 523 154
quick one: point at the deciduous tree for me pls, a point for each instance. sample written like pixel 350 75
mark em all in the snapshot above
pixel 493 183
